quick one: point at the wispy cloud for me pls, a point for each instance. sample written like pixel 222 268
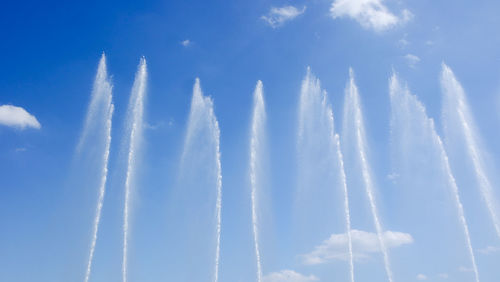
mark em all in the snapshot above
pixel 421 277
pixel 412 60
pixel 443 275
pixel 159 124
pixel 363 244
pixel 17 117
pixel 392 176
pixel 288 276
pixel 370 14
pixel 186 43
pixel 403 42
pixel 489 250
pixel 278 16
pixel 465 269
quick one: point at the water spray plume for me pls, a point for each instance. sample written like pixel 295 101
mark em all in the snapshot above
pixel 456 113
pixel 398 95
pixel 202 115
pixel 352 110
pixel 134 125
pixel 347 212
pixel 316 122
pixel 101 99
pixel 258 123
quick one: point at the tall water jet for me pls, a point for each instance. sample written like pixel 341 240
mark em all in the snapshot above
pixel 100 111
pixel 135 115
pixel 202 150
pixel 319 144
pixel 100 101
pixel 459 125
pixel 347 212
pixel 257 135
pixel 410 117
pixel 353 120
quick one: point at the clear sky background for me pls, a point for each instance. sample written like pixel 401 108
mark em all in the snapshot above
pixel 50 50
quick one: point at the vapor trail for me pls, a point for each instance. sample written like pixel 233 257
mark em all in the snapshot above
pixel 134 122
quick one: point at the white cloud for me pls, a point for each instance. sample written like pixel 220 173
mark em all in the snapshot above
pixel 370 14
pixel 288 276
pixel 392 176
pixel 17 117
pixel 465 269
pixel 421 277
pixel 279 16
pixel 406 16
pixel 489 250
pixel 412 60
pixel 186 43
pixel 443 275
pixel 363 244
pixel 403 43
pixel 159 124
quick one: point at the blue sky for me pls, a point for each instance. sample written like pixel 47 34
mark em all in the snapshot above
pixel 50 52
